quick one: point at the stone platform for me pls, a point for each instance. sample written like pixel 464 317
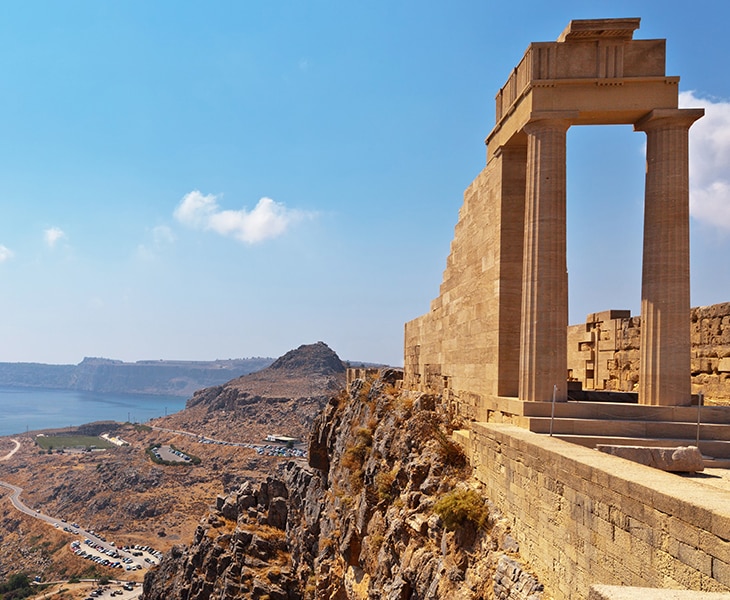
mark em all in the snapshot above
pixel 592 423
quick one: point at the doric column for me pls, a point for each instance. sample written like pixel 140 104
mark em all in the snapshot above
pixel 512 170
pixel 664 370
pixel 543 350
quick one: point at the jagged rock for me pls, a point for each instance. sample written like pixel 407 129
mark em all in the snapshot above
pixel 277 513
pixel 230 508
pixel 358 523
pixel 264 589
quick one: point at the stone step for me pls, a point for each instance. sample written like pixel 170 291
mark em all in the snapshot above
pixel 618 410
pixel 629 428
pixel 711 448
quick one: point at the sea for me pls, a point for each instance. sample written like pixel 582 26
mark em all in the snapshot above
pixel 29 409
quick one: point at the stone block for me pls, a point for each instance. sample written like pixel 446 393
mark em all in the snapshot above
pixel 685 459
pixel 715 546
pixel 615 592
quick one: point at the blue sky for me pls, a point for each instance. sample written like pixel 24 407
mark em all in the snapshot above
pixel 201 180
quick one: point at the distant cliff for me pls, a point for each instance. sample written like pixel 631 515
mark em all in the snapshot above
pixel 159 377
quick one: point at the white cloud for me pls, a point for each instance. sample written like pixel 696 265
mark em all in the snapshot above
pixel 52 235
pixel 5 253
pixel 709 161
pixel 268 219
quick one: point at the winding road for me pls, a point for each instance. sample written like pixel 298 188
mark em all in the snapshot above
pixel 15 493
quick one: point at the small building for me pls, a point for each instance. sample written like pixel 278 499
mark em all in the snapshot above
pixel 282 439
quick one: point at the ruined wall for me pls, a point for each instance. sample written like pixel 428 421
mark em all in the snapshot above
pixel 603 353
pixel 467 345
pixel 584 517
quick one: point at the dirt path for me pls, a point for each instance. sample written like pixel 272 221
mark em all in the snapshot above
pixel 13 451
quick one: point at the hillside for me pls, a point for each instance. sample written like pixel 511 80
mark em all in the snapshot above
pixel 284 398
pixel 386 509
pixel 122 493
pixel 158 377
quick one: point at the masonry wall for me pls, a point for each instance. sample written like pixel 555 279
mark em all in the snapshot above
pixel 467 345
pixel 590 518
pixel 604 352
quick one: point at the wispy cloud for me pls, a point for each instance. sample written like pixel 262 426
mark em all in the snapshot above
pixel 5 253
pixel 161 236
pixel 267 220
pixel 709 161
pixel 52 235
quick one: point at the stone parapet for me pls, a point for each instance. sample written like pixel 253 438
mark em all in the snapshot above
pixel 613 592
pixel 585 518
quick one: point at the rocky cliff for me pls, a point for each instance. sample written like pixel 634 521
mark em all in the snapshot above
pixel 384 509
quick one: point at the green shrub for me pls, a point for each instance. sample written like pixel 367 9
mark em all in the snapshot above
pixel 16 586
pixel 459 507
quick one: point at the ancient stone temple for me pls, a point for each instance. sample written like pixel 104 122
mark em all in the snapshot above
pixel 495 343
pixel 496 334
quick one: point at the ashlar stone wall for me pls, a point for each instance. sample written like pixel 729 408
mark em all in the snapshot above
pixel 467 345
pixel 585 518
pixel 604 352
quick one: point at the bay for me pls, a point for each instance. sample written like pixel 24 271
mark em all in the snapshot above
pixel 23 409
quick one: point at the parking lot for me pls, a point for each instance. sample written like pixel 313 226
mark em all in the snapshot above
pixel 135 558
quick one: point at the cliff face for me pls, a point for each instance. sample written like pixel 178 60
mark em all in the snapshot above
pixel 385 509
pixel 173 378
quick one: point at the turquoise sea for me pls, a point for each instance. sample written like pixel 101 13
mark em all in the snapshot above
pixel 25 409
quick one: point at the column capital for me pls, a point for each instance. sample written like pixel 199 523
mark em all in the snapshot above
pixel 550 119
pixel 506 150
pixel 669 117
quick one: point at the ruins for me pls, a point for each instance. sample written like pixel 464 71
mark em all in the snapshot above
pixel 604 353
pixel 494 344
pixel 498 327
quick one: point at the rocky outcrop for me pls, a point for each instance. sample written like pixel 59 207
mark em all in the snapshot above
pixel 240 550
pixel 386 510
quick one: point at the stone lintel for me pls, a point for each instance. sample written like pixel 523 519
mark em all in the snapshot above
pixel 608 315
pixel 583 30
pixel 669 116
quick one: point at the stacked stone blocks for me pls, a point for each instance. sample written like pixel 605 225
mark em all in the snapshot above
pixel 499 324
pixel 604 353
pixel 587 518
